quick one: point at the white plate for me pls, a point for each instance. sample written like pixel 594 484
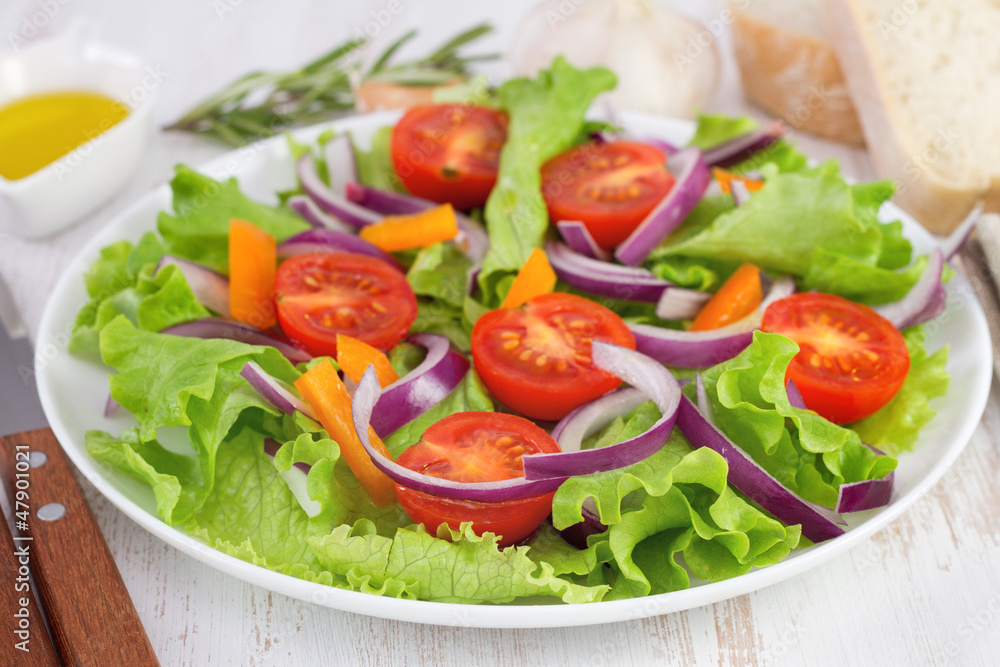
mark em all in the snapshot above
pixel 73 393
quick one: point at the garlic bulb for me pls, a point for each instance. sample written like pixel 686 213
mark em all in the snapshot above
pixel 665 63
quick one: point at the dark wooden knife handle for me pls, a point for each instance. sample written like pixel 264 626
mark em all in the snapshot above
pixel 90 612
pixel 28 643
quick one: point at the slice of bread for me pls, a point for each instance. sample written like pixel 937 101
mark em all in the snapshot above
pixel 789 67
pixel 923 75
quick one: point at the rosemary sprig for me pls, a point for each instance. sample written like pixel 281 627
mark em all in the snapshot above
pixel 261 104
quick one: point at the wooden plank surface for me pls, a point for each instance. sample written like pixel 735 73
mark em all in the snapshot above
pixel 924 591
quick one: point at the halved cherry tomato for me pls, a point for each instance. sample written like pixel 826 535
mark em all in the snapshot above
pixel 851 360
pixel 537 358
pixel 322 294
pixel 477 447
pixel 449 152
pixel 609 187
pixel 737 298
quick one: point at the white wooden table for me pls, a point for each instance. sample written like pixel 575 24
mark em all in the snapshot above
pixel 924 591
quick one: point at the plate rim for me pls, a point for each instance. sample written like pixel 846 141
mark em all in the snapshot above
pixel 482 615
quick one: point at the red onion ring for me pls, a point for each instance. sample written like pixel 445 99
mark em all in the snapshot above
pixel 818 523
pixel 951 245
pixel 743 147
pixel 215 327
pixel 328 200
pixel 313 214
pixel 578 238
pixel 422 388
pixel 209 287
pixel 699 349
pixel 925 300
pixel 693 178
pixel 274 391
pixel 646 375
pixel 340 162
pixel 365 398
pixel 332 240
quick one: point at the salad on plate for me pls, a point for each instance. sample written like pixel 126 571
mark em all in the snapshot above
pixel 510 351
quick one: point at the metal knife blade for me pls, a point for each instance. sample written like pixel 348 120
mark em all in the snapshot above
pixel 20 409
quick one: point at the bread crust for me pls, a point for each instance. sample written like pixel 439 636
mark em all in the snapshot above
pixel 936 201
pixel 795 76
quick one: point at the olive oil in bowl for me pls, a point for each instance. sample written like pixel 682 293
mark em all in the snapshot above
pixel 36 131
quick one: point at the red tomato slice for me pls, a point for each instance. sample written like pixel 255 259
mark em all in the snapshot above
pixel 609 187
pixel 449 152
pixel 852 360
pixel 537 358
pixel 320 295
pixel 477 447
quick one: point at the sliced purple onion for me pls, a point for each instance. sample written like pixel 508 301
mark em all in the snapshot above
pixel 614 281
pixel 365 398
pixel 209 287
pixel 271 447
pixel 698 349
pixel 332 240
pixel 111 407
pixel 693 178
pixel 678 303
pixel 818 523
pixel 216 327
pixel 591 417
pixel 578 238
pixel 694 349
pixel 274 391
pixel 925 300
pixel 578 533
pixel 646 375
pixel 307 209
pixel 472 238
pixel 795 396
pixel 422 388
pixel 951 245
pixel 341 164
pixel 743 147
pixel 741 195
pixel 661 144
pixel 330 201
pixel 868 494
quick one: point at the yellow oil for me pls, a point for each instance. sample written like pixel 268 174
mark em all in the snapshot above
pixel 36 131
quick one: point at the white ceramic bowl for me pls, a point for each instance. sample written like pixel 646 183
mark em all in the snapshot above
pixel 77 183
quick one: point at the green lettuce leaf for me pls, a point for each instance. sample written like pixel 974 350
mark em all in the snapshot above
pixel 676 501
pixel 173 381
pixel 546 118
pixel 714 129
pixel 803 451
pixel 462 568
pixel 121 281
pixel 203 207
pixel 375 165
pixel 438 277
pixel 895 427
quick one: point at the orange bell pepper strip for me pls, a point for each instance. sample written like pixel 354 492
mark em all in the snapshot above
pixel 328 396
pixel 404 232
pixel 737 298
pixel 535 278
pixel 253 260
pixel 726 178
pixel 355 356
